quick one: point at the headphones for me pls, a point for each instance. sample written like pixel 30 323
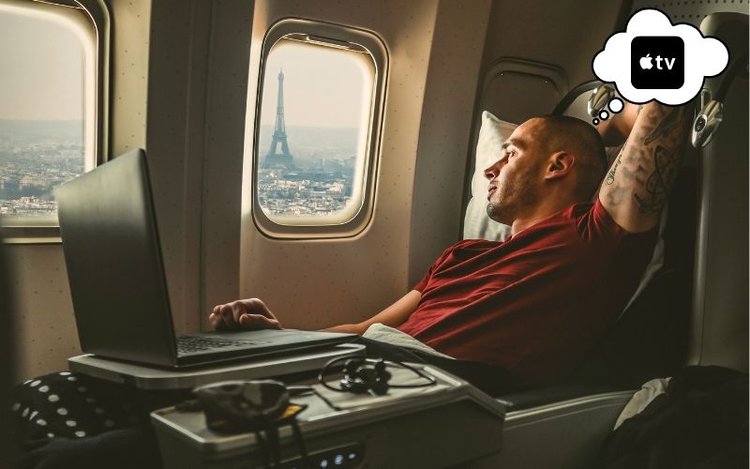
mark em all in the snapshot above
pixel 600 98
pixel 712 107
pixel 362 375
pixel 711 112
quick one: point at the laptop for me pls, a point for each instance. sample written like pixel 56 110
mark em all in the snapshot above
pixel 117 281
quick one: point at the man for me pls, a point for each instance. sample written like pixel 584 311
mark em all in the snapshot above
pixel 535 303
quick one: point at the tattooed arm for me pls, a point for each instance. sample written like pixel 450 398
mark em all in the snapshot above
pixel 636 187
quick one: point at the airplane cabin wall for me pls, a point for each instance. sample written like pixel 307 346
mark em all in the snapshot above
pixel 45 329
pixel 565 35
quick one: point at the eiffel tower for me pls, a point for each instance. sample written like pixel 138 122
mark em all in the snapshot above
pixel 283 159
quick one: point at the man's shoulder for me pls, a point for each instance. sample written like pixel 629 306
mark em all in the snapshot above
pixel 580 209
pixel 474 243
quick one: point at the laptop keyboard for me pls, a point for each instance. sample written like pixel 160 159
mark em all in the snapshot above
pixel 191 344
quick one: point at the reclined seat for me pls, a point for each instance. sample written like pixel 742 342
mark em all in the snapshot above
pixel 694 311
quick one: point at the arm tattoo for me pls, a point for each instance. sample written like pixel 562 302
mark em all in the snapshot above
pixel 660 181
pixel 666 160
pixel 665 126
pixel 648 167
pixel 611 174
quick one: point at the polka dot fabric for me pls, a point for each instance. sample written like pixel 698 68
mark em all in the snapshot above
pixel 73 406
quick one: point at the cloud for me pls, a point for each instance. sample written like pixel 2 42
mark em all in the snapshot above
pixel 673 79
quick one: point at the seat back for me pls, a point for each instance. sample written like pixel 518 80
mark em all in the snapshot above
pixel 720 315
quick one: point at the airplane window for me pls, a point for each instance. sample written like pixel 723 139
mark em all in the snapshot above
pixel 47 106
pixel 313 149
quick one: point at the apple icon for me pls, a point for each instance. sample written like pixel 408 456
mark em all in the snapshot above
pixel 645 62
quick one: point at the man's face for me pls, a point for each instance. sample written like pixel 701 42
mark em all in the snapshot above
pixel 516 178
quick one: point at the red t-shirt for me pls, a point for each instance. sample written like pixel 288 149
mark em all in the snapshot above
pixel 535 303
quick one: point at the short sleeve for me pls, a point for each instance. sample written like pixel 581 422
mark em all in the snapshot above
pixel 422 284
pixel 597 224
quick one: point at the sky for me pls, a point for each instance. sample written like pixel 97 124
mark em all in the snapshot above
pixel 323 86
pixel 41 67
pixel 42 62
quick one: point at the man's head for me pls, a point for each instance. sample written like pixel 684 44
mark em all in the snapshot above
pixel 548 163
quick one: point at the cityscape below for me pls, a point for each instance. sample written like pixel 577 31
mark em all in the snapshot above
pixel 37 156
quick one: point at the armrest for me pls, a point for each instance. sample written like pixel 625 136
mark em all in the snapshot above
pixel 557 393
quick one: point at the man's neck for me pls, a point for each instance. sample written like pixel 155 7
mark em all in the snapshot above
pixel 543 212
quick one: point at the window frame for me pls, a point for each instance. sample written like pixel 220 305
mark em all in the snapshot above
pixel 25 230
pixel 335 36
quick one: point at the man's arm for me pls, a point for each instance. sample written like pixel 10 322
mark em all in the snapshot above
pixel 392 316
pixel 252 313
pixel 637 185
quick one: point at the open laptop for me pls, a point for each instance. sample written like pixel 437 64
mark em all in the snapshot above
pixel 117 281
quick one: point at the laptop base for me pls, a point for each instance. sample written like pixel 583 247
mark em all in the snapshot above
pixel 157 379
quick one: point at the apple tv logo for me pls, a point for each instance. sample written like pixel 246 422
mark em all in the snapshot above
pixel 657 62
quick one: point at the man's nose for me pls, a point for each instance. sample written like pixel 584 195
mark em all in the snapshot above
pixel 492 172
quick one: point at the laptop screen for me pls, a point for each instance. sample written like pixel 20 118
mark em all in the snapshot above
pixel 114 262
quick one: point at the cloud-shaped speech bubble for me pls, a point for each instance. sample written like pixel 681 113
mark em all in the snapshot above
pixel 655 59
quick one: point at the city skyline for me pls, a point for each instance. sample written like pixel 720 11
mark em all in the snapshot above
pixel 334 95
pixel 36 156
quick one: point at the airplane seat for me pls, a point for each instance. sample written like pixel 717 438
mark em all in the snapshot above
pixel 693 311
pixel 650 339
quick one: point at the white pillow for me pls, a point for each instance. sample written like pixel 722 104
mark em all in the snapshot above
pixel 478 225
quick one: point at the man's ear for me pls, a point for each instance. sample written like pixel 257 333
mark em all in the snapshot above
pixel 560 164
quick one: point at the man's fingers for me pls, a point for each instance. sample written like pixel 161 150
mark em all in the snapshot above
pixel 214 319
pixel 251 313
pixel 258 321
pixel 227 315
pixel 238 309
pixel 256 306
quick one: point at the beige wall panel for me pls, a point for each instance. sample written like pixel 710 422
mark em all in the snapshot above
pixel 224 143
pixel 45 330
pixel 445 133
pixel 130 42
pixel 566 34
pixel 175 146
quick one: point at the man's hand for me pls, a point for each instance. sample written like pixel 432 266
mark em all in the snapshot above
pixel 251 313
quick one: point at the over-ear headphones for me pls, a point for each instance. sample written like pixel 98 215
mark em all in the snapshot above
pixel 731 29
pixel 362 375
pixel 712 107
pixel 600 98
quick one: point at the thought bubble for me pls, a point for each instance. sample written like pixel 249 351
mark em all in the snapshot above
pixel 654 59
pixel 615 105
